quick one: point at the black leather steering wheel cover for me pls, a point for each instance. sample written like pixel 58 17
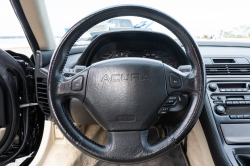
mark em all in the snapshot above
pixel 60 56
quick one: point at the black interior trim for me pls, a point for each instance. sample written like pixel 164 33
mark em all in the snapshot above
pixel 46 56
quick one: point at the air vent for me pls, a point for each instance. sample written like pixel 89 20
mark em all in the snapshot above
pixel 228 69
pixel 42 95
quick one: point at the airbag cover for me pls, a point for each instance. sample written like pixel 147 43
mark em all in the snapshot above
pixel 125 93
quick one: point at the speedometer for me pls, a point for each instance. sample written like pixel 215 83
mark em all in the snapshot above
pixel 120 54
pixel 152 55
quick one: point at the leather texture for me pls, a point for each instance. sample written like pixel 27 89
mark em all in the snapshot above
pixel 117 149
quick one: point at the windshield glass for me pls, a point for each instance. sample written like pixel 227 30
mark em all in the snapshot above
pixel 205 20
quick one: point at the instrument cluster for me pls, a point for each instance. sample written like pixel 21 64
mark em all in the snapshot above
pixel 156 55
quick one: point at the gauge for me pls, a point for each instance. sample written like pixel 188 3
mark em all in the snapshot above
pixel 101 59
pixel 120 54
pixel 170 62
pixel 152 55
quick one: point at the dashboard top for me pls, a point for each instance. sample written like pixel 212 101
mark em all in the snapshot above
pixel 208 49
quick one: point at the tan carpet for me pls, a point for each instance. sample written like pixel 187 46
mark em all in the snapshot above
pixel 194 152
pixel 68 155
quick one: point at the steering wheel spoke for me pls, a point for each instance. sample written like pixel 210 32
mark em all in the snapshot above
pixel 125 145
pixel 179 82
pixel 74 87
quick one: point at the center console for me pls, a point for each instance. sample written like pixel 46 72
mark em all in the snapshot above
pixel 229 100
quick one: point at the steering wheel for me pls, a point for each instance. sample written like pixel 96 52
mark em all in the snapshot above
pixel 125 94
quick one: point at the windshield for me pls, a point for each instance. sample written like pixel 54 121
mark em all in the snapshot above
pixel 205 20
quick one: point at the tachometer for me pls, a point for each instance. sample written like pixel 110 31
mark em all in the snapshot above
pixel 120 54
pixel 170 62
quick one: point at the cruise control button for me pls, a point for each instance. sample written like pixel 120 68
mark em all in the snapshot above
pixel 77 84
pixel 175 81
pixel 170 101
pixel 173 97
pixel 163 110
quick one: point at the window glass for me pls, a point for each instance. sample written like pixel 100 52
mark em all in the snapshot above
pixel 125 23
pixel 205 20
pixel 114 23
pixel 11 33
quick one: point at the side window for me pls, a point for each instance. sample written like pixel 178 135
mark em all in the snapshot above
pixel 114 23
pixel 11 35
pixel 125 23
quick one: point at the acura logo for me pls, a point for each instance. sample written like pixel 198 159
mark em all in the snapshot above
pixel 125 77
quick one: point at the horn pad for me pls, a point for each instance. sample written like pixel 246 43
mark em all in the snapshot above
pixel 125 93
